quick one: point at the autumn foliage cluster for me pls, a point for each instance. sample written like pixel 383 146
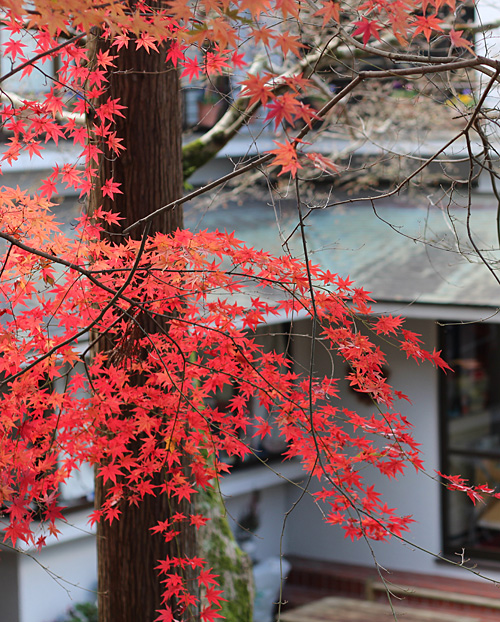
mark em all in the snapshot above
pixel 190 281
pixel 61 296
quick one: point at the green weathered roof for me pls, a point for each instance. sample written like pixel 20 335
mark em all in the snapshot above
pixel 407 251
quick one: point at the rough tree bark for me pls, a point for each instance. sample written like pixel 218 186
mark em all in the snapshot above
pixel 150 175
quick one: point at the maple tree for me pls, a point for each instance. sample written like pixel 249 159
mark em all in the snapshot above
pixel 169 303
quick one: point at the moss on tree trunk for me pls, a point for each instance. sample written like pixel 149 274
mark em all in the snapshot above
pixel 218 547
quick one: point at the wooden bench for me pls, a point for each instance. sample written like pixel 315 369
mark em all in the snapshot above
pixel 333 609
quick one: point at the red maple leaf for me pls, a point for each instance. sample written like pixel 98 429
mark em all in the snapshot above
pixel 257 87
pixel 388 324
pixel 460 42
pixel 286 157
pixel 110 188
pixel 322 163
pixel 191 68
pixel 198 520
pixel 283 108
pixel 368 28
pixel 329 11
pixel 14 47
pixel 427 25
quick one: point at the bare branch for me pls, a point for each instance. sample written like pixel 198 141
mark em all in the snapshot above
pixel 247 167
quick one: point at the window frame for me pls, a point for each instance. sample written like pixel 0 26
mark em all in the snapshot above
pixel 446 454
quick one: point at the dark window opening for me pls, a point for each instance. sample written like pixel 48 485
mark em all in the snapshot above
pixel 470 435
pixel 274 338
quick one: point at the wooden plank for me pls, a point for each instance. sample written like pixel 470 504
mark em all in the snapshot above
pixel 438 595
pixel 334 609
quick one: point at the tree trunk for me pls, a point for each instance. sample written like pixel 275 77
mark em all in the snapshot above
pixel 150 175
pixel 150 169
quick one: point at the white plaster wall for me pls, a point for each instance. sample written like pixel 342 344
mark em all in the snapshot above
pixel 416 494
pixel 271 508
pixel 58 577
pixel 488 43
